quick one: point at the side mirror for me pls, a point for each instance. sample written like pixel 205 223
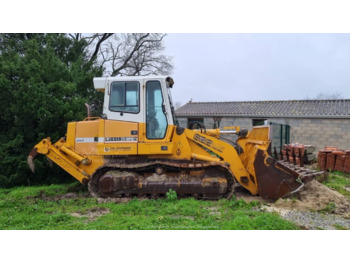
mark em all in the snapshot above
pixel 169 82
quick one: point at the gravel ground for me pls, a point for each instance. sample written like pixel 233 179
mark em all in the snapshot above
pixel 310 220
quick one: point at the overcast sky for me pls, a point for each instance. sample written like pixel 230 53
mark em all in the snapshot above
pixel 245 67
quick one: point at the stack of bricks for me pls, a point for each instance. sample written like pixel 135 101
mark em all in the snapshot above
pixel 334 159
pixel 296 154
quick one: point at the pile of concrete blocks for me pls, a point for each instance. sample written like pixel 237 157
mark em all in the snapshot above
pixel 297 154
pixel 334 159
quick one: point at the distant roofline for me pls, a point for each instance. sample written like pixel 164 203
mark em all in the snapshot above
pixel 267 116
pixel 189 109
pixel 255 101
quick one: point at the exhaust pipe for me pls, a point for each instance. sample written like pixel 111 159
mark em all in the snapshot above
pixel 30 159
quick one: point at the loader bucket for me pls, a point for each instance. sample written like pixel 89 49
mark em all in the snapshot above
pixel 277 179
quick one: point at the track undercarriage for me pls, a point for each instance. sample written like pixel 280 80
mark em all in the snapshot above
pixel 154 178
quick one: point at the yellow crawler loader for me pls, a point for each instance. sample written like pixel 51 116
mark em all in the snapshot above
pixel 136 149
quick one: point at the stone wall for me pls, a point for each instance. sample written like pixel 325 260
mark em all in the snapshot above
pixel 316 132
pixel 319 132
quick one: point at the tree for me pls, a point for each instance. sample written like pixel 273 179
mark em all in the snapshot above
pixel 326 96
pixel 323 96
pixel 44 83
pixel 177 105
pixel 45 80
pixel 127 54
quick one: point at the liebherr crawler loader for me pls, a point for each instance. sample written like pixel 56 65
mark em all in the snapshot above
pixel 136 149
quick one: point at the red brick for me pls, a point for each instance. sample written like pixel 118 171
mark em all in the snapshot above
pixel 326 151
pixel 291 159
pixel 339 161
pixel 330 163
pixel 346 167
pixel 338 152
pixel 332 148
pixel 321 160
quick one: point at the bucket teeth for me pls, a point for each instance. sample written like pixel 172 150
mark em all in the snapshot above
pixel 305 174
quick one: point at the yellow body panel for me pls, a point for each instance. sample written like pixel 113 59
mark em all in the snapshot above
pixel 117 131
pixel 86 133
pixel 143 137
pixel 103 137
pixel 117 149
pixel 155 148
pixel 71 134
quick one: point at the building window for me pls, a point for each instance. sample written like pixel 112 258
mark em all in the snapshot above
pixel 259 122
pixel 192 121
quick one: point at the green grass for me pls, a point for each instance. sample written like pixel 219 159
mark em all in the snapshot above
pixel 339 227
pixel 330 208
pixel 339 181
pixel 37 208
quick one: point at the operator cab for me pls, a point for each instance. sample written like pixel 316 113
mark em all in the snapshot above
pixel 139 99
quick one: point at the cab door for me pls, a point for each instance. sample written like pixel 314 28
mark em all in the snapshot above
pixel 158 123
pixel 156 118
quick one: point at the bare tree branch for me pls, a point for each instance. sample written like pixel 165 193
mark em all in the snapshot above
pixel 75 36
pixel 326 96
pixel 127 54
pixel 137 46
pixel 100 41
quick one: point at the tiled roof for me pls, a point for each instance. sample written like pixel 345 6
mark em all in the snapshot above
pixel 287 108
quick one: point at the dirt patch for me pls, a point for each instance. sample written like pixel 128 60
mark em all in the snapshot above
pixel 59 197
pixel 181 217
pixel 113 200
pixel 119 200
pixel 77 188
pixel 249 198
pixel 316 197
pixel 214 211
pixel 91 214
pixel 242 193
pixel 310 220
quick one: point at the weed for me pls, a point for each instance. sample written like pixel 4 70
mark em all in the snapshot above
pixel 338 181
pixel 171 195
pixel 339 227
pixel 330 208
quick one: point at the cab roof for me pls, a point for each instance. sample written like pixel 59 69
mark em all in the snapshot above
pixel 100 83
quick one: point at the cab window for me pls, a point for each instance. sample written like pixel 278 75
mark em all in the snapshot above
pixel 125 97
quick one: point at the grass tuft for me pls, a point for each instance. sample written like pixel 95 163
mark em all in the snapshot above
pixel 340 182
